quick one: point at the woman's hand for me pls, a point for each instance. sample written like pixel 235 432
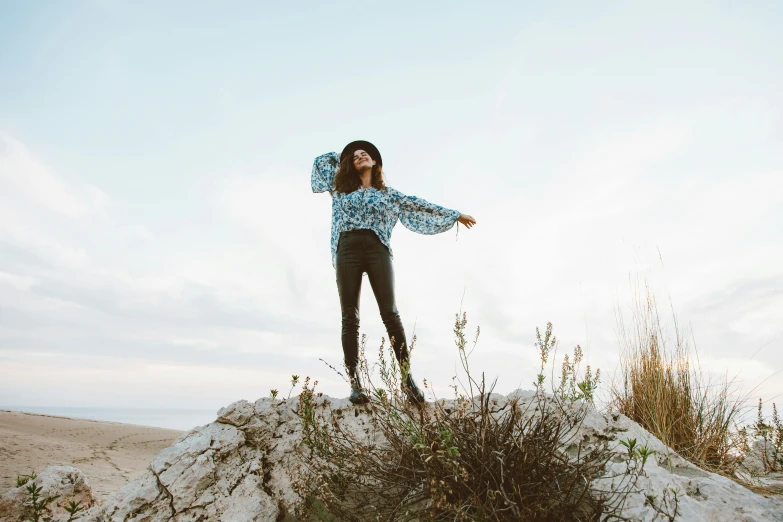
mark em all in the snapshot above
pixel 466 220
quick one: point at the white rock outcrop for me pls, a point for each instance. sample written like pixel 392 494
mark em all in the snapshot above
pixel 762 457
pixel 66 481
pixel 239 468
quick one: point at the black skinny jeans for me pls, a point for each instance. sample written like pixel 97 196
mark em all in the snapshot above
pixel 360 251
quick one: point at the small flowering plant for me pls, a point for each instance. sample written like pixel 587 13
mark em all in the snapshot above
pixel 468 458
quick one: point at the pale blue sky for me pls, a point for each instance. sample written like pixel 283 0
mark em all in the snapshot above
pixel 160 245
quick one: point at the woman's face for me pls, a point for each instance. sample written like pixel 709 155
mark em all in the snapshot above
pixel 362 160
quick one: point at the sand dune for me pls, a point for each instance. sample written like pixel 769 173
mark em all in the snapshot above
pixel 109 453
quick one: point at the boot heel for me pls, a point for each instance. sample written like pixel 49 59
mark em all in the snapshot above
pixel 358 395
pixel 414 394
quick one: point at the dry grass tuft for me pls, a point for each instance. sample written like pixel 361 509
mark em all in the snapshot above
pixel 663 388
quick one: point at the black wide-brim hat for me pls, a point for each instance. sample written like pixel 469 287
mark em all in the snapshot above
pixel 366 146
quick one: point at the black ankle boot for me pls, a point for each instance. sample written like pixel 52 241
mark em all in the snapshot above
pixel 358 395
pixel 413 392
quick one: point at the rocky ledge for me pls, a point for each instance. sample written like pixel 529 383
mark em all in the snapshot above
pixel 240 468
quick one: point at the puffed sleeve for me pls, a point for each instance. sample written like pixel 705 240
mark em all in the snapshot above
pixel 324 168
pixel 423 217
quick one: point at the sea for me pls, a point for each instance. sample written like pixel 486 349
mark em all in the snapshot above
pixel 175 419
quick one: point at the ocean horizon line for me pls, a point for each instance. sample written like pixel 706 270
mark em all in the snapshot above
pixel 169 418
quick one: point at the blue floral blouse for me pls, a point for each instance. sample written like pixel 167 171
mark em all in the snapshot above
pixel 376 209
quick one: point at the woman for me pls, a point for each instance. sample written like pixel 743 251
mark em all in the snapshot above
pixel 364 212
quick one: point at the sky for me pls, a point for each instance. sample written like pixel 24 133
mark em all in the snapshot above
pixel 160 245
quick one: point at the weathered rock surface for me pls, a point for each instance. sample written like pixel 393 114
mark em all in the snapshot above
pixel 66 481
pixel 240 468
pixel 235 469
pixel 761 458
pixel 760 466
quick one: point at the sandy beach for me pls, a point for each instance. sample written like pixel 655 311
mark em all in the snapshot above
pixel 108 453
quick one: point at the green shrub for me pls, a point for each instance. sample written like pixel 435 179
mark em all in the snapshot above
pixel 471 458
pixel 770 434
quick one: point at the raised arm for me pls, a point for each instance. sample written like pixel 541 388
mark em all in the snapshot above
pixel 423 217
pixel 324 169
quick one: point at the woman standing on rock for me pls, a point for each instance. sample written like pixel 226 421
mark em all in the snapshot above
pixel 364 212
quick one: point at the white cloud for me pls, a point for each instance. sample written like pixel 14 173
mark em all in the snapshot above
pixel 17 282
pixel 607 149
pixel 23 176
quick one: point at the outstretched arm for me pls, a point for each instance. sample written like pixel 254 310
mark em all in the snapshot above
pixel 423 217
pixel 324 168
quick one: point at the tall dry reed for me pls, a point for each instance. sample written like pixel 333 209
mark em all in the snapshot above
pixel 663 387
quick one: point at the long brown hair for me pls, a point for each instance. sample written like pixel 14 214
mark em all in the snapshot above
pixel 347 178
